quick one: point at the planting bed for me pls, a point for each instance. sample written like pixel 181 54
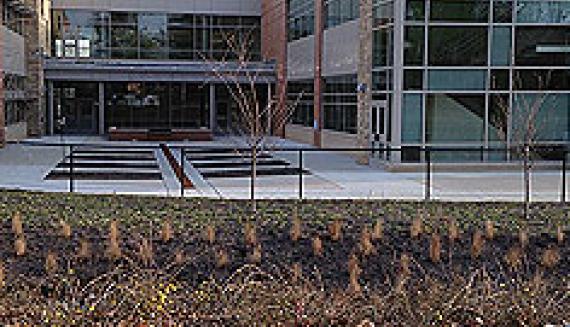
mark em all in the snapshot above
pixel 188 280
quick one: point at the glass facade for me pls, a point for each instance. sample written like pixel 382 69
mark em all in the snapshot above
pixel 140 35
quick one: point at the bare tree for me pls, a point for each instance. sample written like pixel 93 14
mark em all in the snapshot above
pixel 240 75
pixel 518 125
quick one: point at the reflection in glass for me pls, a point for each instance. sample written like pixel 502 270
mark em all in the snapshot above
pixel 414 46
pixel 412 118
pixel 460 10
pixel 458 46
pixel 455 118
pixel 448 79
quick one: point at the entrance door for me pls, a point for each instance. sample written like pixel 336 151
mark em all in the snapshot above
pixel 76 107
pixel 379 128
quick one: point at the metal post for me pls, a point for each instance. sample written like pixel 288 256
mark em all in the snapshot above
pixel 182 175
pixel 301 174
pixel 71 168
pixel 563 195
pixel 428 175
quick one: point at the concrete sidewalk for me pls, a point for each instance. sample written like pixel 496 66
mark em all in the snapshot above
pixel 332 175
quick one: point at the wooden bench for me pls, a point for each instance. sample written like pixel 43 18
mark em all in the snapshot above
pixel 159 134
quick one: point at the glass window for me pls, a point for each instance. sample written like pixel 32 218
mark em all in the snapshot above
pixel 414 46
pixel 542 79
pixel 503 11
pixel 152 36
pixel 542 45
pixel 458 46
pixel 412 118
pixel 550 120
pixel 380 48
pixel 84 48
pixel 415 10
pixel 413 79
pixel 500 79
pixel 457 79
pixel 543 11
pixel 501 47
pixel 124 35
pixel 460 10
pixel 498 117
pixel 455 118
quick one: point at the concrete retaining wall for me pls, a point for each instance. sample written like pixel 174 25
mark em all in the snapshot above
pixel 16 132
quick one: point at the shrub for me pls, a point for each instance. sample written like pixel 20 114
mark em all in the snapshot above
pixel 51 263
pixel 550 257
pixel 222 258
pixel 378 231
pixel 295 232
pixel 416 227
pixel 435 248
pixel 17 224
pixel 317 246
pixel 210 234
pixel 20 246
pixel 84 251
pixel 166 232
pixel 65 229
pixel 335 230
pixel 477 244
pixel 489 229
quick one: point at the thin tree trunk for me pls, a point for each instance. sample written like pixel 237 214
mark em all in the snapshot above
pixel 253 177
pixel 527 168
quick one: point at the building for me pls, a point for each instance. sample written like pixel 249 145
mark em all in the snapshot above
pixel 416 73
pixel 147 65
pixel 24 34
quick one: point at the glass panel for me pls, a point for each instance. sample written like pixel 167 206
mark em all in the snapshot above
pixel 415 10
pixel 499 79
pixel 460 10
pixel 412 118
pixel 152 33
pixel 548 113
pixel 543 46
pixel 457 79
pixel 124 35
pixel 455 118
pixel 501 47
pixel 542 79
pixel 503 11
pixel 413 79
pixel 458 46
pixel 380 48
pixel 543 11
pixel 498 117
pixel 414 46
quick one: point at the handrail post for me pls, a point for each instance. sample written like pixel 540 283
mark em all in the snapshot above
pixel 71 169
pixel 301 174
pixel 563 195
pixel 428 174
pixel 182 175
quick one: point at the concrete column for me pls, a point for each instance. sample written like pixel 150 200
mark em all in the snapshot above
pixel 212 107
pixel 50 114
pixel 397 94
pixel 101 108
pixel 269 109
pixel 364 80
pixel 2 122
pixel 318 79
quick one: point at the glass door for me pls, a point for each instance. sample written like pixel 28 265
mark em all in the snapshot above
pixel 379 127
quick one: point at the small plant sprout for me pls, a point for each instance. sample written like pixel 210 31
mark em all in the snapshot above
pixel 416 227
pixel 145 252
pixel 550 257
pixel 378 231
pixel 166 232
pixel 20 246
pixel 295 232
pixel 210 234
pixel 335 230
pixel 65 229
pixel 2 274
pixel 366 246
pixel 249 234
pixel 17 224
pixel 317 246
pixel 435 248
pixel 560 235
pixel 477 244
pixel 296 273
pixel 523 237
pixel 114 248
pixel 51 263
pixel 179 257
pixel 84 251
pixel 514 257
pixel 453 231
pixel 255 256
pixel 114 230
pixel 489 229
pixel 354 272
pixel 222 258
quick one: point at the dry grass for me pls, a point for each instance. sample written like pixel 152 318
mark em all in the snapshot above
pixel 354 272
pixel 2 274
pixel 51 265
pixel 405 264
pixel 416 227
pixel 453 231
pixel 560 235
pixel 179 257
pixel 295 232
pixel 550 257
pixel 477 244
pixel 255 256
pixel 317 246
pixel 146 254
pixel 296 273
pixel 250 234
pixel 335 230
pixel 84 251
pixel 65 229
pixel 114 247
pixel 17 228
pixel 489 229
pixel 378 230
pixel 166 231
pixel 523 237
pixel 435 248
pixel 222 258
pixel 366 246
pixel 513 258
pixel 210 234
pixel 20 246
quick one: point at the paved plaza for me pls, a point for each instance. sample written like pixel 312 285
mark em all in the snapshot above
pixel 329 175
